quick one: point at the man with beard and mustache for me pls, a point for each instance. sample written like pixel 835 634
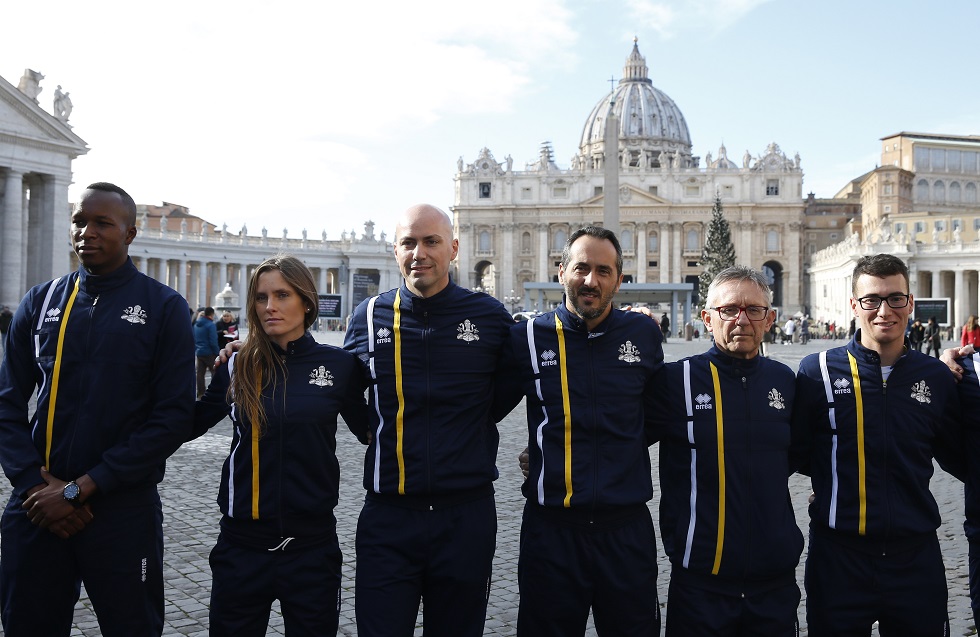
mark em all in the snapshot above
pixel 587 538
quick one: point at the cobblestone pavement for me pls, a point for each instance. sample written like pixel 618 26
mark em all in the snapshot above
pixel 191 523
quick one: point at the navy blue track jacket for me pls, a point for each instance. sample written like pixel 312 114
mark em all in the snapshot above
pixel 117 399
pixel 285 481
pixel 725 432
pixel 873 442
pixel 434 366
pixel 969 391
pixel 588 436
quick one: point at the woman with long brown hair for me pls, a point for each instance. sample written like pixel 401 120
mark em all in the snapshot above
pixel 971 333
pixel 279 484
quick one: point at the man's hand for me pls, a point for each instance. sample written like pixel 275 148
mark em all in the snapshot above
pixel 644 311
pixel 524 460
pixel 226 353
pixel 47 505
pixel 950 355
pixel 75 522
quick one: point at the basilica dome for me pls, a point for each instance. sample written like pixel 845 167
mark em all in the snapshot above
pixel 651 126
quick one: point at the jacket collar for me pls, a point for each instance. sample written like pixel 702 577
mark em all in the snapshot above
pixel 737 365
pixel 303 344
pixel 415 304
pixel 576 324
pixel 95 284
pixel 864 355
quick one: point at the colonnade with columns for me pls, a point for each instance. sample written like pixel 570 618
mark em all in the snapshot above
pixel 34 223
pixel 961 284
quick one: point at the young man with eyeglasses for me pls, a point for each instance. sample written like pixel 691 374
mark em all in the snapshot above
pixel 877 412
pixel 725 429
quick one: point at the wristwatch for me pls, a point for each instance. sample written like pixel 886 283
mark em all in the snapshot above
pixel 72 492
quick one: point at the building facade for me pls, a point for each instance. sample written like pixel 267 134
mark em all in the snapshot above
pixel 512 224
pixel 921 204
pixel 36 151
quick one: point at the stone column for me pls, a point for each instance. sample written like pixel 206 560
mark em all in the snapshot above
pixel 676 232
pixel 202 283
pixel 464 262
pixel 242 284
pixel 959 303
pixel 665 252
pixel 322 287
pixel 544 272
pixel 507 281
pixel 937 281
pixel 12 241
pixel 641 253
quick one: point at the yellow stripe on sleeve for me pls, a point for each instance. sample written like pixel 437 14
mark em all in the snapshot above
pixel 862 478
pixel 567 408
pixel 56 376
pixel 720 427
pixel 255 435
pixel 400 416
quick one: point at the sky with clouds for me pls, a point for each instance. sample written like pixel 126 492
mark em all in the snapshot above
pixel 325 115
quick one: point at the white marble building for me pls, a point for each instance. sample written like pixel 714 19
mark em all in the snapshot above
pixel 512 223
pixel 36 151
pixel 920 204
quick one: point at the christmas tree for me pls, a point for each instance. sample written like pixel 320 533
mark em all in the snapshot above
pixel 718 252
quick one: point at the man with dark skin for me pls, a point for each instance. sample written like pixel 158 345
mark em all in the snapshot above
pixel 109 352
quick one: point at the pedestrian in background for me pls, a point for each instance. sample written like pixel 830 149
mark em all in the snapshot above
pixel 5 317
pixel 933 337
pixel 971 333
pixel 205 347
pixel 280 481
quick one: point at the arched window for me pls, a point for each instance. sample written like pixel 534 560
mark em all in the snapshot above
pixel 954 192
pixel 484 241
pixel 558 241
pixel 772 241
pixel 626 241
pixel 653 242
pixel 526 242
pixel 693 241
pixel 922 190
pixel 970 193
pixel 939 192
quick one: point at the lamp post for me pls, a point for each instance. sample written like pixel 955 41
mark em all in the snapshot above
pixel 512 300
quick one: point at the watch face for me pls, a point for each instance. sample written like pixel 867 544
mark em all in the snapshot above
pixel 72 491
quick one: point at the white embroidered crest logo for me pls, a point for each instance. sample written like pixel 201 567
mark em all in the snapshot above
pixel 703 401
pixel 842 386
pixel 384 335
pixel 468 332
pixel 776 399
pixel 321 377
pixel 52 315
pixel 548 358
pixel 629 353
pixel 134 314
pixel 921 392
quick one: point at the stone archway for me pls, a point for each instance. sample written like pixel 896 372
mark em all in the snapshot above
pixel 774 277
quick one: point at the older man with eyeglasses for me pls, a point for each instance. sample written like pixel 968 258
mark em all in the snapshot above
pixel 725 430
pixel 878 413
